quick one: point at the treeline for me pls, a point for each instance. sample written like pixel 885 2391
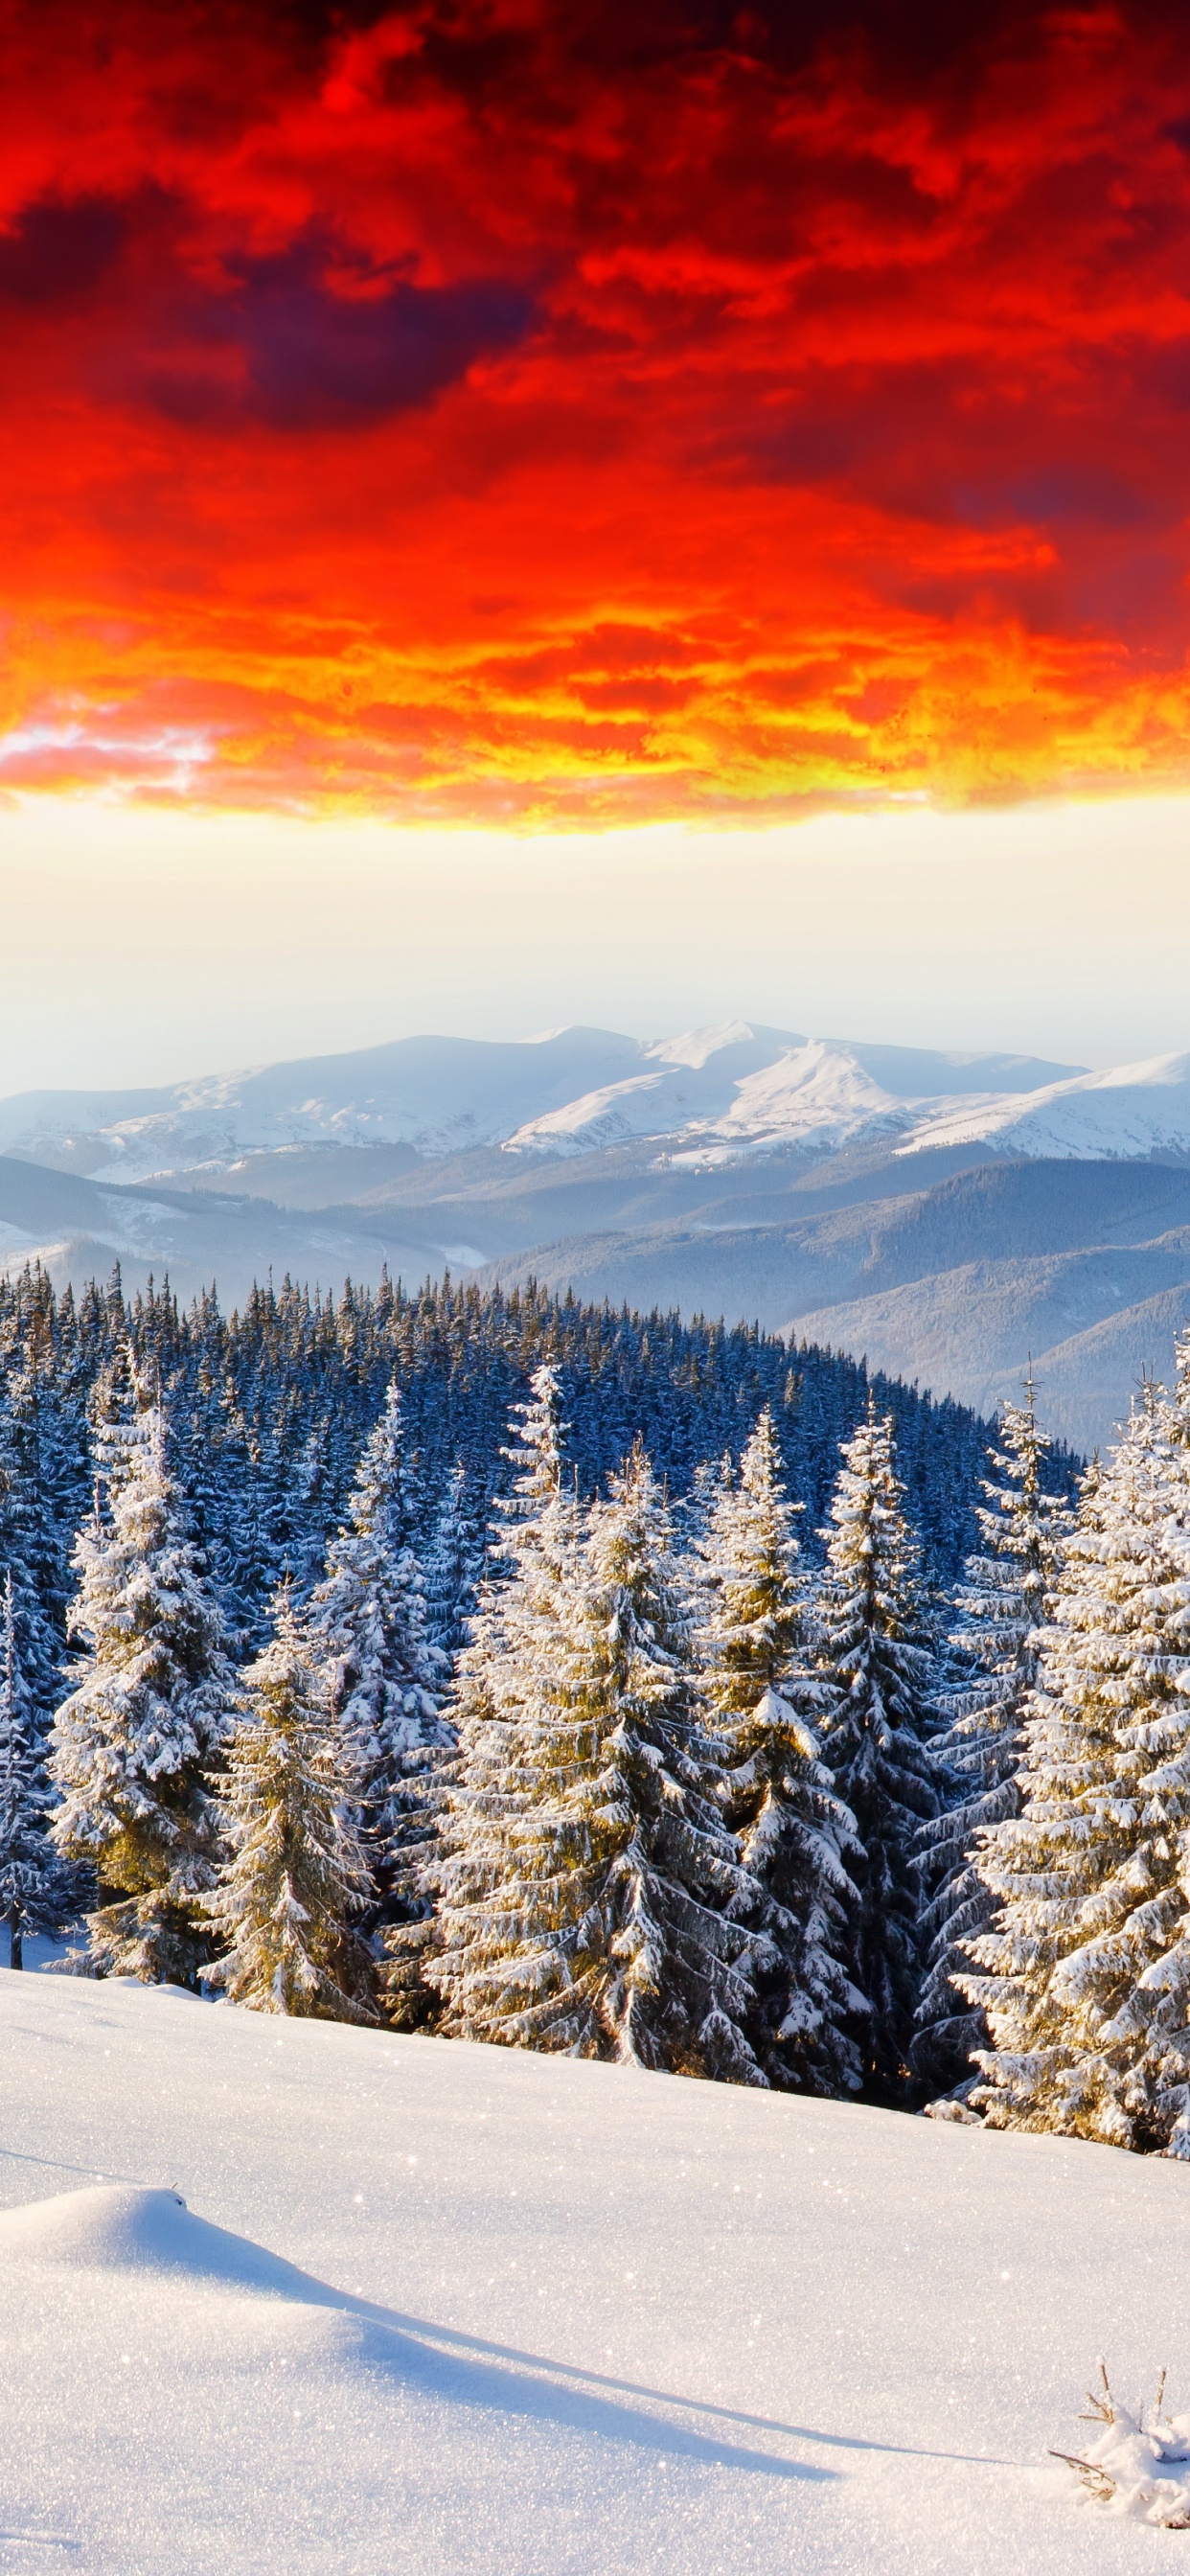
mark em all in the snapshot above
pixel 269 1410
pixel 695 1759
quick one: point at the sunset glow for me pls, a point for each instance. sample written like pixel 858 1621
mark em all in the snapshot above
pixel 522 414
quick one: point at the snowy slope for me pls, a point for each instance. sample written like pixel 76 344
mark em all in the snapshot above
pixel 548 2319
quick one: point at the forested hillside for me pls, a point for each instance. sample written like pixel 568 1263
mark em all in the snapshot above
pixel 352 1651
pixel 270 1407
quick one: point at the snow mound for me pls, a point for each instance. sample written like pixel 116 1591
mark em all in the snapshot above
pixel 124 2227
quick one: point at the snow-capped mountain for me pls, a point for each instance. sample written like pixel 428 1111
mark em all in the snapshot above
pixel 1131 1111
pixel 807 1094
pixel 440 1095
pixel 715 1095
pixel 677 1084
pixel 816 1095
pixel 718 1093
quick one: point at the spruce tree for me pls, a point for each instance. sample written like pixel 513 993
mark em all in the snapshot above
pixel 677 1980
pixel 795 1835
pixel 250 1553
pixel 454 1565
pixel 1002 1609
pixel 310 1507
pixel 877 1662
pixel 587 1905
pixel 44 1482
pixel 133 1742
pixel 35 1886
pixel 286 1906
pixel 43 1488
pixel 1084 1971
pixel 506 1684
pixel 384 1677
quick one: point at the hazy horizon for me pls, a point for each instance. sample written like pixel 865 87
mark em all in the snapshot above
pixel 148 945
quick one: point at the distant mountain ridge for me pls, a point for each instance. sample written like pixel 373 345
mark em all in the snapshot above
pixel 731 1089
pixel 957 1287
pixel 945 1214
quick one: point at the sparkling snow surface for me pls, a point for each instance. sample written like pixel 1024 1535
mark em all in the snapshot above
pixel 547 2319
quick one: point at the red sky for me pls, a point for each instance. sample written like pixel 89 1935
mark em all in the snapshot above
pixel 516 411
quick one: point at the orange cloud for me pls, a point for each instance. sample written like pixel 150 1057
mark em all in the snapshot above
pixel 513 411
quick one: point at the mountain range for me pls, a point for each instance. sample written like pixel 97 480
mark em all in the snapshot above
pixel 946 1214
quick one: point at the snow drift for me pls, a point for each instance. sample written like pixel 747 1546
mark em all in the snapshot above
pixel 124 2227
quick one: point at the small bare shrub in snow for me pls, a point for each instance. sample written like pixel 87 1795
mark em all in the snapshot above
pixel 1136 2468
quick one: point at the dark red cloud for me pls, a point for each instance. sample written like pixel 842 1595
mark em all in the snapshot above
pixel 530 410
pixel 304 339
pixel 57 251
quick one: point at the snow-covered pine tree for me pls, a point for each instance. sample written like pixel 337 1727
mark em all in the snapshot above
pixel 1084 1971
pixel 286 1907
pixel 760 1697
pixel 44 1481
pixel 43 1484
pixel 35 1885
pixel 586 1906
pixel 383 1676
pixel 877 1662
pixel 1178 1404
pixel 1162 2002
pixel 249 1556
pixel 506 1681
pixel 454 1565
pixel 113 1402
pixel 690 1521
pixel 309 1507
pixel 133 1743
pixel 1002 1608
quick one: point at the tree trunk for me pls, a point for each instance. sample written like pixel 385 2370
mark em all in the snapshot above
pixel 15 1931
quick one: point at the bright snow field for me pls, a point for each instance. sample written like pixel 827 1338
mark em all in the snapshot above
pixel 321 2299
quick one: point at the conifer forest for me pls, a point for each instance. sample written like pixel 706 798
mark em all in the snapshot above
pixel 580 1681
